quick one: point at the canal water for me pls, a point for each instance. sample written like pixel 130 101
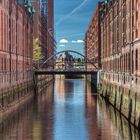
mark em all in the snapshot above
pixel 67 110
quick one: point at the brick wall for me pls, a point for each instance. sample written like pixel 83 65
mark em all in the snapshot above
pixel 119 34
pixel 120 41
pixel 15 43
pixel 92 40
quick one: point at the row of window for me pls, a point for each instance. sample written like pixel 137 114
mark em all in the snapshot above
pixel 16 65
pixel 124 79
pixel 124 64
pixel 13 77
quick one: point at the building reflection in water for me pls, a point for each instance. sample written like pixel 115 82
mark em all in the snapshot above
pixel 44 120
pixel 68 110
pixel 17 124
pixel 69 114
pixel 63 88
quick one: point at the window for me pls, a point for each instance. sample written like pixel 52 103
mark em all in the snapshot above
pixel 126 68
pixel 136 65
pixel 124 63
pixel 132 62
pixel 129 62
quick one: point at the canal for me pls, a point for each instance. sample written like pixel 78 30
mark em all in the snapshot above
pixel 67 110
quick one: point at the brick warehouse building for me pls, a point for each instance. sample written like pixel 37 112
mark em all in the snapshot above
pixel 15 43
pixel 51 46
pixel 120 55
pixel 93 39
pixel 44 26
pixel 120 41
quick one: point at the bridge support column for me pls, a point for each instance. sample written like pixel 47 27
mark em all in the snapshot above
pixel 94 79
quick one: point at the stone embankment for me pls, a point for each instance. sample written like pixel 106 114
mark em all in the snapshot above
pixel 123 99
pixel 15 96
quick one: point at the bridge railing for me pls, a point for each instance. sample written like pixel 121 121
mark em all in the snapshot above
pixel 66 65
pixel 66 69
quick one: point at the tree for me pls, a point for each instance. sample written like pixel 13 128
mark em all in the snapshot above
pixel 37 55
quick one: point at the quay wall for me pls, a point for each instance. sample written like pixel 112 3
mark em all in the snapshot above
pixel 123 97
pixel 118 121
pixel 24 112
pixel 12 97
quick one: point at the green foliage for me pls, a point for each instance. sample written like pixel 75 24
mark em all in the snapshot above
pixel 79 62
pixel 37 54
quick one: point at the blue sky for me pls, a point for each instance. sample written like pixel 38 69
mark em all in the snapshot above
pixel 72 18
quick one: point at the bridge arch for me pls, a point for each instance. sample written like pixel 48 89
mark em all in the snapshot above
pixel 72 51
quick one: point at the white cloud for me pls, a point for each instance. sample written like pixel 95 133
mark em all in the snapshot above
pixel 73 41
pixel 77 41
pixel 80 41
pixel 62 45
pixel 63 41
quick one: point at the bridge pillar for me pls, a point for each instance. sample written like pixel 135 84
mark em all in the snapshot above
pixel 94 79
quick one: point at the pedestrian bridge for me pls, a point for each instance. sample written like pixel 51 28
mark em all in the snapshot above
pixel 67 64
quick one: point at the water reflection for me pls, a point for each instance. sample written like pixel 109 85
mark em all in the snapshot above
pixel 69 113
pixel 17 124
pixel 68 110
pixel 63 89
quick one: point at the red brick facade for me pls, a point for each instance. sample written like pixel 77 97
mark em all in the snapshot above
pixel 120 42
pixel 120 37
pixel 51 44
pixel 120 76
pixel 15 43
pixel 92 40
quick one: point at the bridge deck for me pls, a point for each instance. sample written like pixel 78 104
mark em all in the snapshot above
pixel 54 72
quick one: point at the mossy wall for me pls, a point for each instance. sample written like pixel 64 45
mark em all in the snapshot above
pixel 124 100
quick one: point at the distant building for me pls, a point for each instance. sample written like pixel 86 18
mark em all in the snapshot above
pixel 93 39
pixel 65 61
pixel 15 42
pixel 51 43
pixel 44 26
